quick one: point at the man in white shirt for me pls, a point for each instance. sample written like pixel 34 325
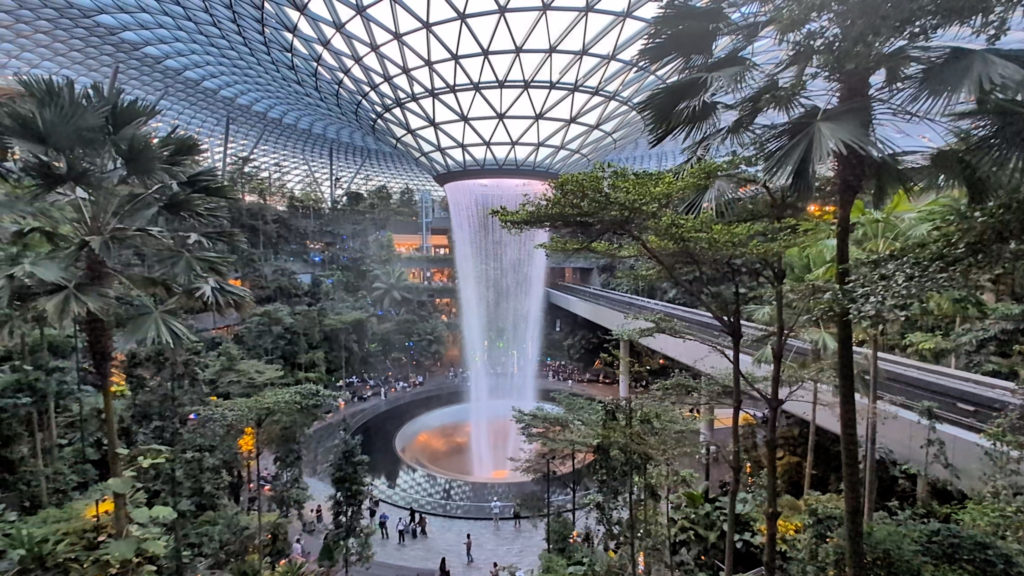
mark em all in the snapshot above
pixel 496 511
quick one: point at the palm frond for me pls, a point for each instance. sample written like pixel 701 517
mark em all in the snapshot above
pixel 149 284
pixel 186 265
pixel 760 313
pixel 721 196
pixel 218 295
pixel 46 270
pixel 50 117
pixel 797 148
pixel 179 149
pixel 995 144
pixel 887 178
pixel 683 33
pixel 127 115
pixel 157 326
pixel 72 301
pixel 141 158
pixel 955 74
pixel 820 339
pixel 199 197
pixel 680 108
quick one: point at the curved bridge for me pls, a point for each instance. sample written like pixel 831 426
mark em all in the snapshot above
pixel 967 403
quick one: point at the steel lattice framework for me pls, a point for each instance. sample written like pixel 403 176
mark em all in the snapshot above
pixel 371 92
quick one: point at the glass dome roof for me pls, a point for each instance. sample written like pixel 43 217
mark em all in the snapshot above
pixel 394 91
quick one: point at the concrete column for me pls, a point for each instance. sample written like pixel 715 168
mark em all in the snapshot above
pixel 623 368
pixel 707 430
pixel 707 423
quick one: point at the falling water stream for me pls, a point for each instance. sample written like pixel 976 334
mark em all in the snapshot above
pixel 501 306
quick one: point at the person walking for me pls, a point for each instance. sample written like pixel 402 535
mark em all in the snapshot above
pixel 400 528
pixel 443 570
pixel 496 511
pixel 373 510
pixel 297 549
pixel 309 526
pixel 469 549
pixel 319 516
pixel 422 523
pixel 495 571
pixel 517 515
pixel 382 523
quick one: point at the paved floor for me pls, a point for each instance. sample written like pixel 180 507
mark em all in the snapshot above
pixel 505 544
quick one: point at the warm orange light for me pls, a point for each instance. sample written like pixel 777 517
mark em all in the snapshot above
pixel 235 281
pixel 94 509
pixel 247 443
pixel 821 211
pixel 499 474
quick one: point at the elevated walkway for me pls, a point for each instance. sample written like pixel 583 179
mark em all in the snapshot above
pixel 966 402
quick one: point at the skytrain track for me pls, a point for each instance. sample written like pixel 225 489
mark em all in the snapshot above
pixel 963 399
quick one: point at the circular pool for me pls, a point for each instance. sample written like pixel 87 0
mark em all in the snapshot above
pixel 439 442
pixel 419 453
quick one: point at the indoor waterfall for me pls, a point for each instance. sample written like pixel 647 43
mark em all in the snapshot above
pixel 500 277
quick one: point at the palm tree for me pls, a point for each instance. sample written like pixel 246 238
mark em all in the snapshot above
pixel 391 288
pixel 128 219
pixel 792 80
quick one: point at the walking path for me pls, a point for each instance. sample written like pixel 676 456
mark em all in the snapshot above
pixel 504 544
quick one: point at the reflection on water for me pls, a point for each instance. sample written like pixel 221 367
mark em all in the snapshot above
pixel 446 450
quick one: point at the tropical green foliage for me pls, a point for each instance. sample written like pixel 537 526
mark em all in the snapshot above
pixel 349 539
pixel 107 267
pixel 121 226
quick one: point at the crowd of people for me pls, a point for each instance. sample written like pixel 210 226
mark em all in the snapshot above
pixel 369 385
pixel 415 526
pixel 563 372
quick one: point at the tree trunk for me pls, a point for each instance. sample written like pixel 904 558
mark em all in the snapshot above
pixel 922 477
pixel 734 464
pixel 854 90
pixel 99 340
pixel 51 412
pixel 668 521
pixel 632 485
pixel 100 343
pixel 952 357
pixel 259 499
pixel 871 436
pixel 78 388
pixel 179 566
pixel 44 498
pixel 771 444
pixel 51 409
pixel 574 487
pixel 44 354
pixel 809 464
pixel 923 495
